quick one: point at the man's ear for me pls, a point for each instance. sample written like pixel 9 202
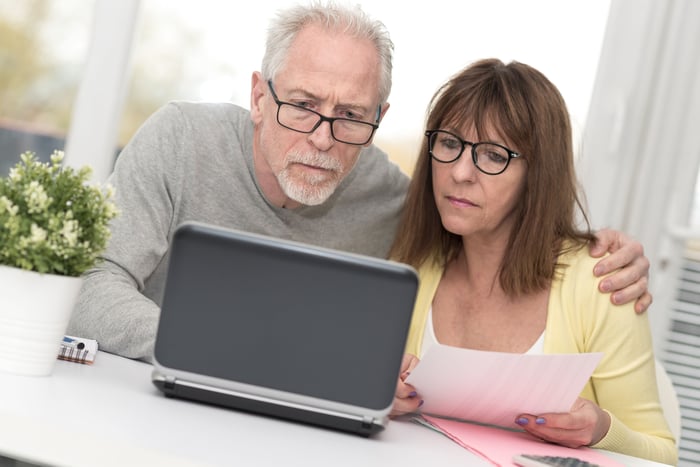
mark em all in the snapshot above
pixel 258 89
pixel 382 112
pixel 385 107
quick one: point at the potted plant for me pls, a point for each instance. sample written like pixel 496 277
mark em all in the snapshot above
pixel 53 227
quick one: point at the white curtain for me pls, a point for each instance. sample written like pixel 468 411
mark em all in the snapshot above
pixel 641 145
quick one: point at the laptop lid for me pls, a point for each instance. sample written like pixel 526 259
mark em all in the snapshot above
pixel 282 328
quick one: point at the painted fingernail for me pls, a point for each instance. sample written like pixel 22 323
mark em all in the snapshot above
pixel 412 394
pixel 420 403
pixel 521 421
pixel 540 421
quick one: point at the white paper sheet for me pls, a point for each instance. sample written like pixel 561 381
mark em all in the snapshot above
pixel 495 387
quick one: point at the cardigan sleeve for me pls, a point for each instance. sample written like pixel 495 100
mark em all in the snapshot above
pixel 581 319
pixel 429 277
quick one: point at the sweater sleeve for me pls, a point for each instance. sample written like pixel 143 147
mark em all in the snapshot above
pixel 581 319
pixel 111 307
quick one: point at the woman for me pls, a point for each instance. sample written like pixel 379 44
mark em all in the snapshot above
pixel 503 265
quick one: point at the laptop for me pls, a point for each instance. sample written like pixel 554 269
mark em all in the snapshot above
pixel 283 329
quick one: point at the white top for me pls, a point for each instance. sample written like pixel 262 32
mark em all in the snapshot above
pixel 429 337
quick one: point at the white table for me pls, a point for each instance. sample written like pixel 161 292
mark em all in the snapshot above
pixel 109 413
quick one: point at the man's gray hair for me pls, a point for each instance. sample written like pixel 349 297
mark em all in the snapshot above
pixel 333 16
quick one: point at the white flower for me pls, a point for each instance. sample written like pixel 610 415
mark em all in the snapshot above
pixel 15 175
pixel 37 234
pixel 37 199
pixel 57 157
pixel 111 210
pixel 70 231
pixel 6 205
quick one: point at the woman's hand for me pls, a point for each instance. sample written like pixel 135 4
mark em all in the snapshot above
pixel 585 425
pixel 406 399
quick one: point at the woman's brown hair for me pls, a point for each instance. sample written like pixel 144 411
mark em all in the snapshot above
pixel 527 110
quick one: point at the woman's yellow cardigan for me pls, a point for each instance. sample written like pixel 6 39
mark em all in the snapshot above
pixel 581 319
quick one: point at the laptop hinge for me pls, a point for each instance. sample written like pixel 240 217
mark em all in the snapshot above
pixel 169 383
pixel 367 422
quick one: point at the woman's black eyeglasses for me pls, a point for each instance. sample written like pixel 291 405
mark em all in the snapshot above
pixel 489 158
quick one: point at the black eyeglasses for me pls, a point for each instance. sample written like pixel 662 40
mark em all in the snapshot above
pixel 489 158
pixel 298 118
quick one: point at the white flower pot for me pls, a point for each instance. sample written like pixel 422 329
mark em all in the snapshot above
pixel 34 313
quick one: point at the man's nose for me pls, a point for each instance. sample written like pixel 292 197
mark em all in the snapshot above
pixel 322 137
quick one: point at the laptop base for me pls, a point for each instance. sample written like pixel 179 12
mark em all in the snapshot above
pixel 306 416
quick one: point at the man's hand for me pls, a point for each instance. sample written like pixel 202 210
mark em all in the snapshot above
pixel 631 281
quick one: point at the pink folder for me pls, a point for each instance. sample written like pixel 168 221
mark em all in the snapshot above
pixel 498 446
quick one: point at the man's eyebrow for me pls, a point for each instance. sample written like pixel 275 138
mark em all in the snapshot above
pixel 357 108
pixel 304 94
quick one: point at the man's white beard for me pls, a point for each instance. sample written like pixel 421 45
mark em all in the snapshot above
pixel 310 189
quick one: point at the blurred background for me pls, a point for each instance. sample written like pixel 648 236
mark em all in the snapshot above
pixel 206 50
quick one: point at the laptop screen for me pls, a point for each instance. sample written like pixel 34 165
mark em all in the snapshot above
pixel 285 316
